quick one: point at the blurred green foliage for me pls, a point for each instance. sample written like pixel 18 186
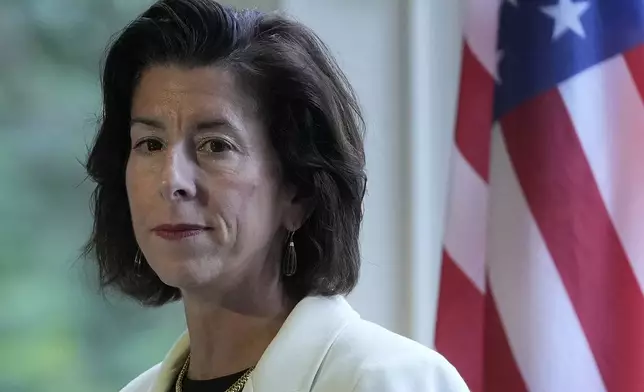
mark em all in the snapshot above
pixel 57 333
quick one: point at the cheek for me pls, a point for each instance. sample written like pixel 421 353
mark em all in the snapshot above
pixel 137 191
pixel 249 202
pixel 235 194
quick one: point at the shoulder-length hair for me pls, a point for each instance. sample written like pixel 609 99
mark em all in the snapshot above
pixel 309 108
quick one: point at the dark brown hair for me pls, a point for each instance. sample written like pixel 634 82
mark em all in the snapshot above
pixel 308 106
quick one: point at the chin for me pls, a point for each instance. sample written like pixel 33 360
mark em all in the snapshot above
pixel 188 273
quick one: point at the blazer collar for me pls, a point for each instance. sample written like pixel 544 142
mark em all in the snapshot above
pixel 293 358
pixel 172 364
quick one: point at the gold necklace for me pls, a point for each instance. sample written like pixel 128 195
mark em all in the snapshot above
pixel 236 387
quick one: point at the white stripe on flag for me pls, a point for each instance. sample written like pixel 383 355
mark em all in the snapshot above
pixel 542 327
pixel 608 114
pixel 465 232
pixel 481 24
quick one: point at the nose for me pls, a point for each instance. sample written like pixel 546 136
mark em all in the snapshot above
pixel 178 179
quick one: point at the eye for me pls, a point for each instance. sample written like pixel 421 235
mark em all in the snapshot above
pixel 149 145
pixel 216 146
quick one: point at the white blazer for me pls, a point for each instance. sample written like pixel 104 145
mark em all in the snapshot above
pixel 324 346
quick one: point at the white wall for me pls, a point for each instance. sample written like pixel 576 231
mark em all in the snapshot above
pixel 403 58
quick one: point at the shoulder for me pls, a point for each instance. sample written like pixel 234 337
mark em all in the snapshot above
pixel 374 359
pixel 144 381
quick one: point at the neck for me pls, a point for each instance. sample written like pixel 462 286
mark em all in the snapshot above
pixel 230 332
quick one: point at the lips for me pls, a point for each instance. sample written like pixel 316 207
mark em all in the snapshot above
pixel 175 232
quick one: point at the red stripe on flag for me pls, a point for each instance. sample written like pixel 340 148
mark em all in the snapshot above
pixel 501 371
pixel 474 118
pixel 635 62
pixel 562 194
pixel 459 326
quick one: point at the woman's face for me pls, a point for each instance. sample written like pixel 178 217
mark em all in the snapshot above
pixel 207 202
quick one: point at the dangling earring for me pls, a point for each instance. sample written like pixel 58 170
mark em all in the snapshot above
pixel 137 262
pixel 290 259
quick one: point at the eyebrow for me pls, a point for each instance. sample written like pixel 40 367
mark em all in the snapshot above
pixel 201 126
pixel 147 121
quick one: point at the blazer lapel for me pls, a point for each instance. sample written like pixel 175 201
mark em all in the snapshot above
pixel 291 361
pixel 172 364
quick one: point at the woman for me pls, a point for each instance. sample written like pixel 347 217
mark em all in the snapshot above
pixel 230 174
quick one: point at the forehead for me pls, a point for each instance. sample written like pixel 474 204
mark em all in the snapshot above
pixel 169 89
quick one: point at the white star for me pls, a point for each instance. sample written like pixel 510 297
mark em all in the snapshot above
pixel 567 16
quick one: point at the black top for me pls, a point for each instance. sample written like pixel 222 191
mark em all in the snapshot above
pixel 219 384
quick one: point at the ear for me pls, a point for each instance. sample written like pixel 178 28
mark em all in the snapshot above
pixel 296 211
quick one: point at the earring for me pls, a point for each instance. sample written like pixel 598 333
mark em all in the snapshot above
pixel 137 262
pixel 290 260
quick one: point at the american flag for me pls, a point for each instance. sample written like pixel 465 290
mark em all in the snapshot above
pixel 543 262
